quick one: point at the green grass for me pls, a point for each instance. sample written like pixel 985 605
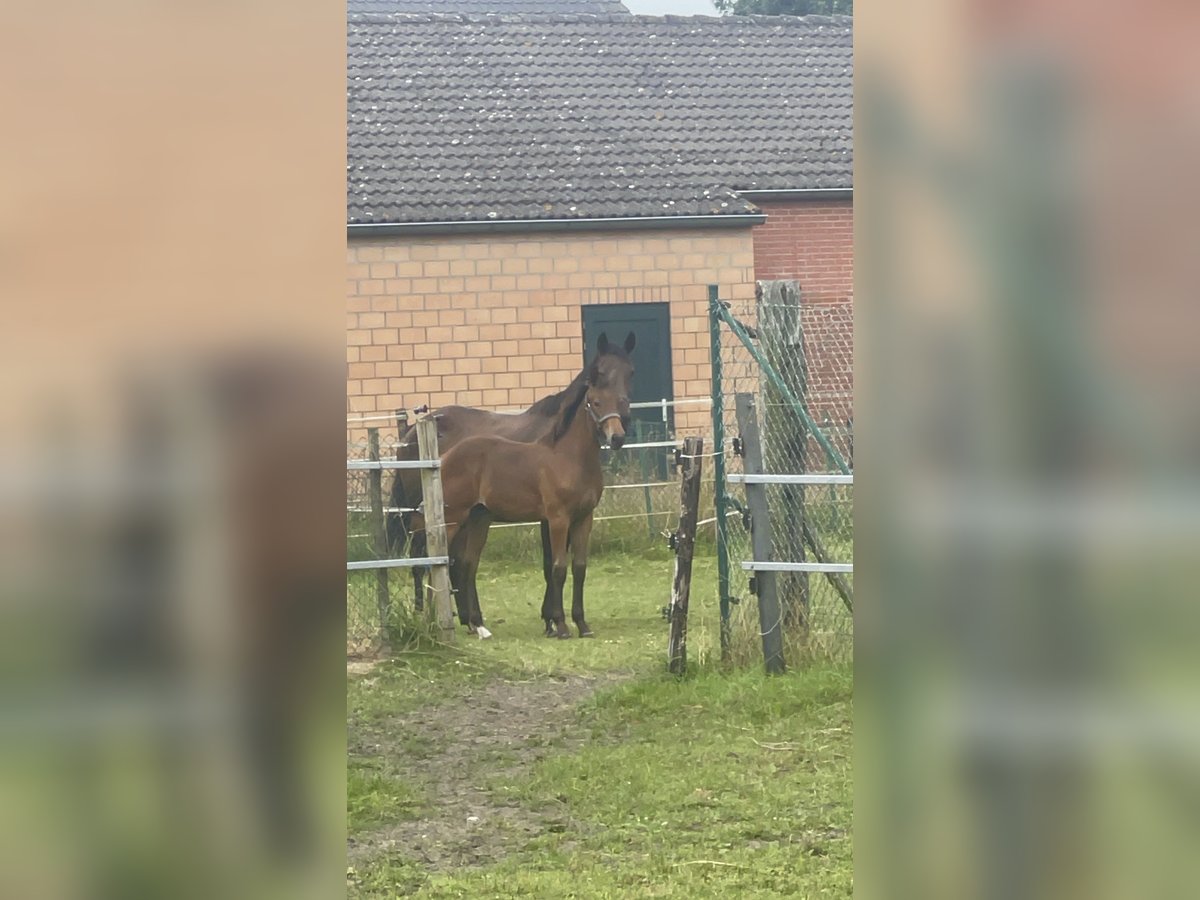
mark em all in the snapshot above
pixel 718 786
pixel 376 795
pixel 624 594
pixel 722 784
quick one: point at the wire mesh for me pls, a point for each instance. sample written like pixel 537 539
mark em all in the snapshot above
pixel 364 615
pixel 809 350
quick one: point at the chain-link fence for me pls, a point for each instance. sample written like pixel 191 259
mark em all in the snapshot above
pixel 371 594
pixel 792 366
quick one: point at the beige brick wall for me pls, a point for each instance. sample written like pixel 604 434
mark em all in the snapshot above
pixel 495 322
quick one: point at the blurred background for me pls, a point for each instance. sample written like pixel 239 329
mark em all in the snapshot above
pixel 1026 439
pixel 1027 495
pixel 171 618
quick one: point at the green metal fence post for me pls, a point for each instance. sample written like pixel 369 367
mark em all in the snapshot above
pixel 718 420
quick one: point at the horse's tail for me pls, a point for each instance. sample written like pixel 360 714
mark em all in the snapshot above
pixel 397 522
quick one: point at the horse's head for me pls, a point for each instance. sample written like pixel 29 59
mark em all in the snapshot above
pixel 609 380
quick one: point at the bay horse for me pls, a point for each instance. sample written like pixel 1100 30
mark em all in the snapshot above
pixel 557 480
pixel 457 423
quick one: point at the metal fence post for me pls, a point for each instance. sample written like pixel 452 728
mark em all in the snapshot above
pixel 770 616
pixel 434 509
pixel 378 534
pixel 718 420
pixel 685 543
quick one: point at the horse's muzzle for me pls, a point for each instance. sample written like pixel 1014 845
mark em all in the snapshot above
pixel 616 441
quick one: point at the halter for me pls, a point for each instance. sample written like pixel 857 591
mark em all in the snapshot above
pixel 600 420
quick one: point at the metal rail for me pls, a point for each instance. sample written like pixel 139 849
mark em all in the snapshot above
pixel 357 465
pixel 751 565
pixel 397 563
pixel 766 478
pixel 642 404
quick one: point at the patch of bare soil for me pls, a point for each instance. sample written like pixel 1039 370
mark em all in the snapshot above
pixel 497 732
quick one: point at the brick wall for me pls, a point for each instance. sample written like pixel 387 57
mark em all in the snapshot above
pixel 813 243
pixel 495 322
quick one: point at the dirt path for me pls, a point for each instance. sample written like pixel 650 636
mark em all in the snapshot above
pixel 497 732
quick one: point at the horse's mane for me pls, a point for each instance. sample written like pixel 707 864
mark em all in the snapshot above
pixel 572 397
pixel 551 405
pixel 566 402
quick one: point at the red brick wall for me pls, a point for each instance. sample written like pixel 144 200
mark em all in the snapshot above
pixel 812 242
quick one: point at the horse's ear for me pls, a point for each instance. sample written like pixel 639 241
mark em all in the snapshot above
pixel 602 344
pixel 630 342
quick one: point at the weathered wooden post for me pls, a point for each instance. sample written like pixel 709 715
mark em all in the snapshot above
pixel 684 540
pixel 785 437
pixel 770 616
pixel 378 533
pixel 434 509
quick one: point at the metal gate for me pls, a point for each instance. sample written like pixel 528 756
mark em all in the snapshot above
pixel 783 486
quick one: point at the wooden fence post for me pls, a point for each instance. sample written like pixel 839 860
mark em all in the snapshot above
pixel 435 528
pixel 378 534
pixel 770 616
pixel 781 339
pixel 685 543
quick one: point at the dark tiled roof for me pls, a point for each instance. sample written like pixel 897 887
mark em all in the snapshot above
pixel 464 118
pixel 484 7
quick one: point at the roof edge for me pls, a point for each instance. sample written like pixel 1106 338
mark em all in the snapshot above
pixel 542 18
pixel 388 229
pixel 769 194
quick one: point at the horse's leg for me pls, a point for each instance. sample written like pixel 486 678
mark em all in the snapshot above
pixel 580 533
pixel 406 532
pixel 548 573
pixel 559 530
pixel 456 542
pixel 476 540
pixel 418 548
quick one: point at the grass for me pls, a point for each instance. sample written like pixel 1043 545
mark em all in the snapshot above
pixel 376 795
pixel 721 784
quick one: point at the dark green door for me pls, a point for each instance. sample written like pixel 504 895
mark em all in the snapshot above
pixel 652 381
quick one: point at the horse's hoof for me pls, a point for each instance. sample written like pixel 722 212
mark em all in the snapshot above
pixel 586 633
pixel 563 635
pixel 483 633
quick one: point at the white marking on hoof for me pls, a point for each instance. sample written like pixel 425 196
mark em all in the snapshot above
pixel 483 633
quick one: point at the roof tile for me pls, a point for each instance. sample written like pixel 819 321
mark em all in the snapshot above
pixel 466 118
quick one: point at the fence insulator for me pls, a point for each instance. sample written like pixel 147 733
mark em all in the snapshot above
pixel 738 447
